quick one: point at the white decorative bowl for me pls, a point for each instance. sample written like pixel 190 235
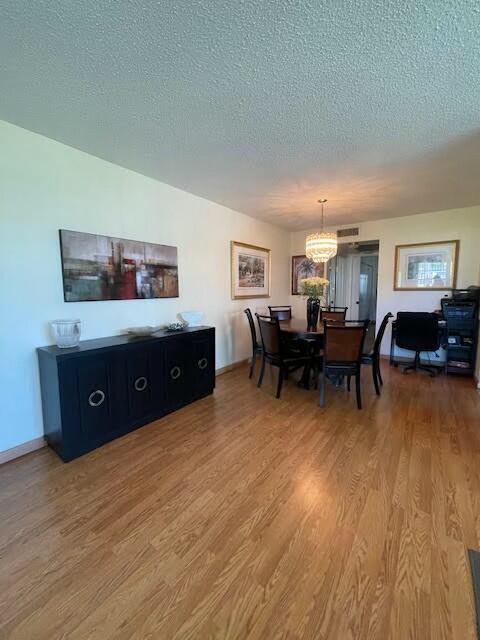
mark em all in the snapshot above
pixel 194 318
pixel 141 331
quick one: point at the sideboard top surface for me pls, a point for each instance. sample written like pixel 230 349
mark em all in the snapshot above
pixel 116 341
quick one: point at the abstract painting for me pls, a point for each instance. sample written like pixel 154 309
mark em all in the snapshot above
pixel 98 267
pixel 430 265
pixel 250 271
pixel 303 267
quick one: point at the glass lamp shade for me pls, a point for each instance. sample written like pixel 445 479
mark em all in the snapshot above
pixel 321 247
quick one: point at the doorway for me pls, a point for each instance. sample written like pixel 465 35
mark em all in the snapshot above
pixel 353 276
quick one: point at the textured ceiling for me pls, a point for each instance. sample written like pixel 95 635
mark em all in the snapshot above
pixel 263 106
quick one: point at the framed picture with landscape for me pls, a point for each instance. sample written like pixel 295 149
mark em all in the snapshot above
pixel 428 265
pixel 250 266
pixel 303 267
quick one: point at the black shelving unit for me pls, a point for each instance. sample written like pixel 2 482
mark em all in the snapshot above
pixel 461 313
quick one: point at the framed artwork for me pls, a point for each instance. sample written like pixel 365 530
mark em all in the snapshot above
pixel 303 267
pixel 104 268
pixel 250 267
pixel 429 265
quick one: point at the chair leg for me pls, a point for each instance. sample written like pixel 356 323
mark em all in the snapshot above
pixel 262 371
pixel 252 365
pixel 375 374
pixel 322 388
pixel 348 382
pixel 379 373
pixel 358 389
pixel 417 366
pixel 414 365
pixel 280 381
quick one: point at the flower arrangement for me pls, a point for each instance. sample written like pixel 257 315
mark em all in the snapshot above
pixel 313 287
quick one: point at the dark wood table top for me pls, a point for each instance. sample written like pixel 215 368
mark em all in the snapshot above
pixel 299 328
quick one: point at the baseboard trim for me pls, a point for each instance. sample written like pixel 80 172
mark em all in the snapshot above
pixel 231 367
pixel 22 449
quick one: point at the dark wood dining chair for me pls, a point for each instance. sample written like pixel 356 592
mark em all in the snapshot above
pixel 256 346
pixel 373 357
pixel 276 353
pixel 282 313
pixel 333 313
pixel 342 354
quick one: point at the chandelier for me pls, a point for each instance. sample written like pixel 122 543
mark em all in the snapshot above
pixel 322 246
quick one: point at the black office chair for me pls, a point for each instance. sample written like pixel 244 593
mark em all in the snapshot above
pixel 418 331
pixel 256 346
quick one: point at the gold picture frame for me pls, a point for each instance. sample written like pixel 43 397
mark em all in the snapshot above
pixel 426 266
pixel 250 270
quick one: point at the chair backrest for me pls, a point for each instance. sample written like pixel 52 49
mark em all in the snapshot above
pixel 381 333
pixel 251 323
pixel 344 341
pixel 270 335
pixel 282 313
pixel 417 331
pixel 333 313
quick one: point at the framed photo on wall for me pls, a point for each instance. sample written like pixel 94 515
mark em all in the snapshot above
pixel 250 266
pixel 303 267
pixel 429 265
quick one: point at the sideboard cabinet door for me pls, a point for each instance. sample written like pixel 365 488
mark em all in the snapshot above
pixel 176 372
pixel 88 399
pixel 202 364
pixel 139 382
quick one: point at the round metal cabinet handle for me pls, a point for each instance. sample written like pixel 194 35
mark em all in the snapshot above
pixel 202 363
pixel 140 384
pixel 98 393
pixel 175 373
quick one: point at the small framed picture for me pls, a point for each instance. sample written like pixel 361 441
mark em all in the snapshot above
pixel 429 265
pixel 303 267
pixel 250 266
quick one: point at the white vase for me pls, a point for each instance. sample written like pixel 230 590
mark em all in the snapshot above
pixel 67 333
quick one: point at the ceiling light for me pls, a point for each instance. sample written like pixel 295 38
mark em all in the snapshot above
pixel 322 246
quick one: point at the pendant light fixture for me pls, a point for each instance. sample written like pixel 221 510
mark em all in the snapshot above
pixel 322 246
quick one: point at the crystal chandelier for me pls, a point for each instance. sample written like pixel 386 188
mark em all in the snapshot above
pixel 322 246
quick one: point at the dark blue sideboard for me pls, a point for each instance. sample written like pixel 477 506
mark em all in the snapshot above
pixel 105 388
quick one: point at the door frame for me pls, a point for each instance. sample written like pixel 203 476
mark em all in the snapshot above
pixel 352 287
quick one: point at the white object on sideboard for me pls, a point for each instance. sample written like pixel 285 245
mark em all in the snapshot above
pixel 194 318
pixel 67 333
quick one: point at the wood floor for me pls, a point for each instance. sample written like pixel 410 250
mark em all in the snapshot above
pixel 243 516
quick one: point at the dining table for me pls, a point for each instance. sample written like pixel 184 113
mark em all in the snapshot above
pixel 298 329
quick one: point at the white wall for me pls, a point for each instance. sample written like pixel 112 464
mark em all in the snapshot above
pixel 44 186
pixel 456 224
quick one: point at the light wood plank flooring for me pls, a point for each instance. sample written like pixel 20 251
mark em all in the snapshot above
pixel 243 516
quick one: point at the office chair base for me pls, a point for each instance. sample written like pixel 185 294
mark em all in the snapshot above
pixel 417 366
